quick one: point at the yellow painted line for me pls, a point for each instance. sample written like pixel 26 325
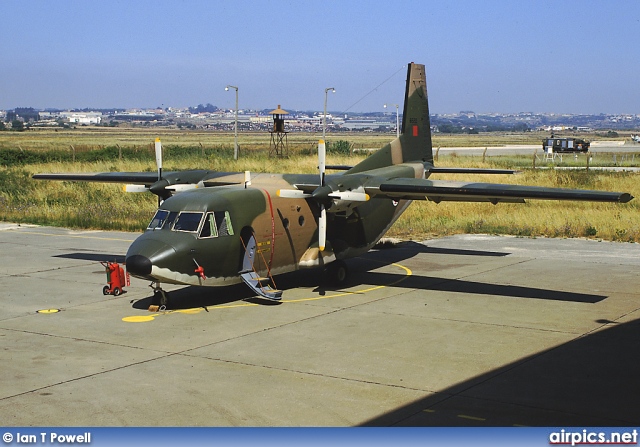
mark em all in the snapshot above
pixel 196 310
pixel 429 410
pixel 357 292
pixel 473 418
pixel 80 236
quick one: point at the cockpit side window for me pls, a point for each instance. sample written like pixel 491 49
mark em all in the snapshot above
pixel 217 224
pixel 188 221
pixel 224 224
pixel 209 228
pixel 158 220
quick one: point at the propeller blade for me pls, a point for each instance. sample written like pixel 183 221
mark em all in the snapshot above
pixel 322 228
pixel 247 178
pixel 184 186
pixel 292 194
pixel 351 196
pixel 135 188
pixel 159 157
pixel 322 160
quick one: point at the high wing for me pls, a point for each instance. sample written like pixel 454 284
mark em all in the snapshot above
pixel 437 170
pixel 170 183
pixel 443 190
pixel 144 178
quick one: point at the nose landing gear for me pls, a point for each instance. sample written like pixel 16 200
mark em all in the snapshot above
pixel 160 298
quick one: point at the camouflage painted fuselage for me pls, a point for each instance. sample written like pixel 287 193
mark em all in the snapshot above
pixel 285 229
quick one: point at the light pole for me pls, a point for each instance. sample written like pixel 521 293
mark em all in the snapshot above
pixel 235 145
pixel 324 117
pixel 397 119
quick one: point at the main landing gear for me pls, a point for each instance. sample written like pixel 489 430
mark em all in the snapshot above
pixel 336 273
pixel 160 298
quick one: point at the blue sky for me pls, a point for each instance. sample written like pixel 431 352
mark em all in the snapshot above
pixel 486 56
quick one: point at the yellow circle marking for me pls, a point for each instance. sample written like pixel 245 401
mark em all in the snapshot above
pixel 139 318
pixel 47 311
pixel 142 319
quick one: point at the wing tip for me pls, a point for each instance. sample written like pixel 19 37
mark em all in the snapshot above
pixel 625 197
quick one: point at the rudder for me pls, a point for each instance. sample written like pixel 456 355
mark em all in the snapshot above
pixel 414 145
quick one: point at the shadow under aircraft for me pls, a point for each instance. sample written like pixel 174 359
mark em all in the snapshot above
pixel 364 271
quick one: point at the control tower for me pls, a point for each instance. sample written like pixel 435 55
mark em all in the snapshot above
pixel 278 145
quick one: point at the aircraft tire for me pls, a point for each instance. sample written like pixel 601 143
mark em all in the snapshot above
pixel 337 272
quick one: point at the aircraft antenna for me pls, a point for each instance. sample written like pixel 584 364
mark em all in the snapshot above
pixel 375 88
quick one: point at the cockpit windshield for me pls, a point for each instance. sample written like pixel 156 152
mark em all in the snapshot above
pixel 158 220
pixel 188 221
pixel 162 220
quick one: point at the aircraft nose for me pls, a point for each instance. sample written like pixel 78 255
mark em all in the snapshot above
pixel 146 252
pixel 138 265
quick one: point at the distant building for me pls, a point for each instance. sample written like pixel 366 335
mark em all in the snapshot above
pixel 82 117
pixel 365 124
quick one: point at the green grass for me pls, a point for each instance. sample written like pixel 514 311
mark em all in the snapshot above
pixel 105 206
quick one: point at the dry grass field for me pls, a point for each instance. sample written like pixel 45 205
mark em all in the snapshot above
pixel 82 205
pixel 97 137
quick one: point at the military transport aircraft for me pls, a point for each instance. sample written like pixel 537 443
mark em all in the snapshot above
pixel 219 228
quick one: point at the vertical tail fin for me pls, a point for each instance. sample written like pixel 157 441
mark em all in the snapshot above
pixel 416 125
pixel 414 145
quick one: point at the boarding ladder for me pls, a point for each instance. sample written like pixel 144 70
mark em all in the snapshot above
pixel 260 285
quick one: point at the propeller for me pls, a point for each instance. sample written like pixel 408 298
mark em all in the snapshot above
pixel 158 147
pixel 164 187
pixel 158 187
pixel 322 220
pixel 324 195
pixel 159 157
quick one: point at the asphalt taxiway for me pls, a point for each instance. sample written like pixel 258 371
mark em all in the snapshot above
pixel 598 149
pixel 458 331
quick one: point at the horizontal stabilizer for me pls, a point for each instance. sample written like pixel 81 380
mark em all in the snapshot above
pixel 338 167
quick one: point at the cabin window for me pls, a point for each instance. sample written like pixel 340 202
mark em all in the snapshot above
pixel 188 221
pixel 217 224
pixel 158 220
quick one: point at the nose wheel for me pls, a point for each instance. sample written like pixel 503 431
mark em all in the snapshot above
pixel 160 299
